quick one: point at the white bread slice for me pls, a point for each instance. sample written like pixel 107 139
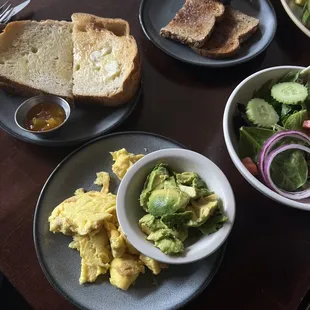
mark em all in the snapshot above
pixel 106 64
pixel 36 57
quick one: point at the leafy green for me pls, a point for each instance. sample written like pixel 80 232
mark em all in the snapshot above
pixel 252 140
pixel 307 101
pixel 289 170
pixel 290 77
pixel 264 91
pixel 288 109
pixel 295 121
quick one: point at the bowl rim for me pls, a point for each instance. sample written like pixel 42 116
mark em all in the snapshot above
pixel 261 187
pixel 25 102
pixel 126 227
pixel 295 19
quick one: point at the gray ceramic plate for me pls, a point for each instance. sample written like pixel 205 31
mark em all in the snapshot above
pixel 84 123
pixel 155 14
pixel 171 289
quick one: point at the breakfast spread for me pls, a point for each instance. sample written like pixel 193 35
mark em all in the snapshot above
pixel 210 28
pixel 305 5
pixel 176 202
pixel 274 141
pixel 90 218
pixel 83 59
pixel 44 116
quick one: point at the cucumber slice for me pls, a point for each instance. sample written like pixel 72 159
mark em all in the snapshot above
pixel 261 113
pixel 289 92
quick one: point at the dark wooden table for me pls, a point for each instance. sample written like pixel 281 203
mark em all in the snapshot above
pixel 267 263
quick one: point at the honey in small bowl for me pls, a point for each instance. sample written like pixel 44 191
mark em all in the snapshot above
pixel 45 116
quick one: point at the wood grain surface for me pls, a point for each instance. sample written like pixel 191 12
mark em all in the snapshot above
pixel 267 263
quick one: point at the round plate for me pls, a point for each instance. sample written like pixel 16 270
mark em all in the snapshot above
pixel 295 14
pixel 172 288
pixel 155 14
pixel 85 123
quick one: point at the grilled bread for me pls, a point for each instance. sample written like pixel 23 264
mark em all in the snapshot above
pixel 36 57
pixel 226 39
pixel 194 23
pixel 106 65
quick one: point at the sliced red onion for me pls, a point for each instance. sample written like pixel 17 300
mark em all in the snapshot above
pixel 270 143
pixel 268 161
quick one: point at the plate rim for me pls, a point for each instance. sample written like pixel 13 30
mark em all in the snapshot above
pixel 37 246
pixel 50 143
pixel 230 63
pixel 295 19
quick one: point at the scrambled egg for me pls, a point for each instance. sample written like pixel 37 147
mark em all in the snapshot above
pixel 82 213
pixel 95 253
pixel 125 270
pixel 91 218
pixel 103 179
pixel 123 161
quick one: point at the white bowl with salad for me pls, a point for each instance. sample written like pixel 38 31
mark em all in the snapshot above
pixel 267 133
pixel 299 13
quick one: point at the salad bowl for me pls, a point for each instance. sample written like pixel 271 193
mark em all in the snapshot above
pixel 295 13
pixel 242 94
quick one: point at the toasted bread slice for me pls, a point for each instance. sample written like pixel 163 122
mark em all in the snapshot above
pixel 194 23
pixel 106 65
pixel 36 57
pixel 235 28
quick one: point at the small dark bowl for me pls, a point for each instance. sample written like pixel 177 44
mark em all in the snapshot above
pixel 23 109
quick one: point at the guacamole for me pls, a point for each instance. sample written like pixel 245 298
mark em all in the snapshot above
pixel 176 202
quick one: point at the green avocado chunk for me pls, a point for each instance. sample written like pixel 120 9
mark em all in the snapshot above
pixel 148 224
pixel 167 241
pixel 202 210
pixel 174 202
pixel 167 201
pixel 155 180
pixel 192 184
pixel 177 219
pixel 170 246
pixel 213 224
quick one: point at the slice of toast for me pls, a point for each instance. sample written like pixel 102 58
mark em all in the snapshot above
pixel 193 24
pixel 106 64
pixel 36 58
pixel 227 37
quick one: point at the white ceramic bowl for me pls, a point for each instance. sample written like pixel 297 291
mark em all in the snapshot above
pixel 295 14
pixel 129 211
pixel 242 94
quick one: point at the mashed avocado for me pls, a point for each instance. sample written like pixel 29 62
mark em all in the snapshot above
pixel 176 202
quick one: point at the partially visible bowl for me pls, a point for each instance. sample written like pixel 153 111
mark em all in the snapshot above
pixel 242 94
pixel 295 14
pixel 22 111
pixel 129 211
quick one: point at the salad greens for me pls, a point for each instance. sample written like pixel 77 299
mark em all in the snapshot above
pixel 305 4
pixel 295 120
pixel 289 170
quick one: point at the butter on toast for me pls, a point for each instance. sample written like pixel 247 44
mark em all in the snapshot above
pixel 194 22
pixel 106 64
pixel 227 37
pixel 36 57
